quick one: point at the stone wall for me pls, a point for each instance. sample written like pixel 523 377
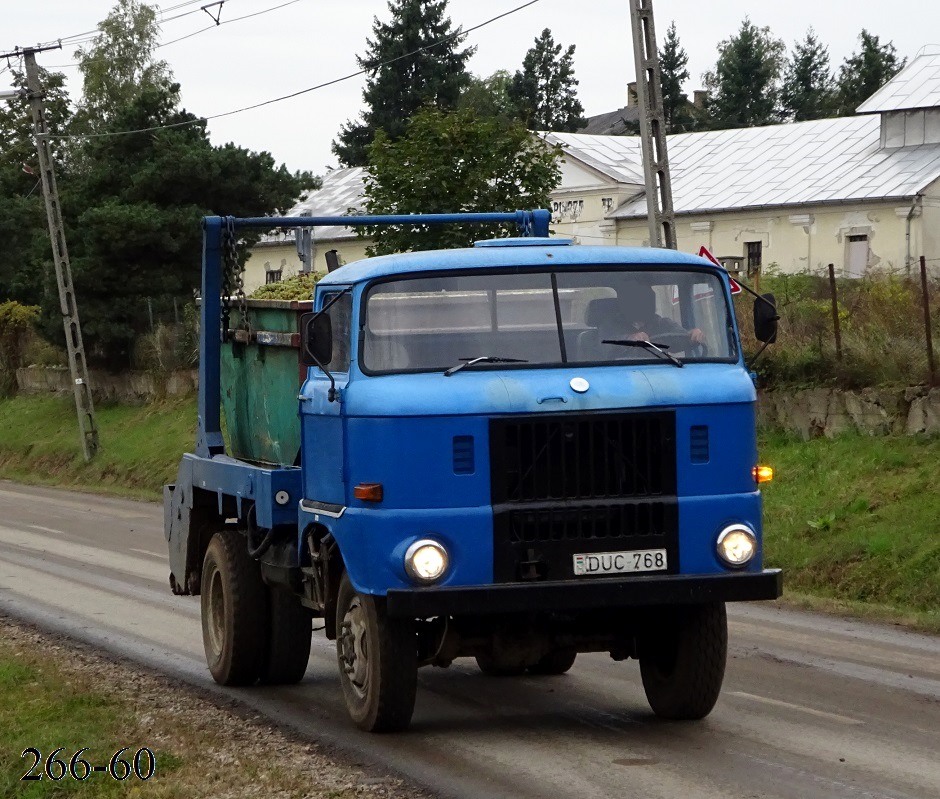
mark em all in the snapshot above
pixel 130 387
pixel 810 413
pixel 816 412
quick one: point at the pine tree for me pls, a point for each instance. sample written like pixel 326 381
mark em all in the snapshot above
pixel 544 90
pixel 808 87
pixel 673 62
pixel 413 61
pixel 26 253
pixel 866 71
pixel 744 88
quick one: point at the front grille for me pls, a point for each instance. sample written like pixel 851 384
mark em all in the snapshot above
pixel 606 522
pixel 575 484
pixel 604 456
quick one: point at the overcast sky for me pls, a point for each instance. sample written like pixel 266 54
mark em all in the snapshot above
pixel 308 42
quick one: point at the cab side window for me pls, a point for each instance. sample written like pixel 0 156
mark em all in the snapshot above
pixel 340 314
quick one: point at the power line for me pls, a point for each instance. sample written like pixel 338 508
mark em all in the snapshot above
pixel 371 68
pixel 95 31
pixel 181 38
pixel 226 22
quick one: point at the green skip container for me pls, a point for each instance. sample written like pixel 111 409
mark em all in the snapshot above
pixel 261 375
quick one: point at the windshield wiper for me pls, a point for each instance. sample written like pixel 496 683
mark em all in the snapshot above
pixel 647 345
pixel 481 359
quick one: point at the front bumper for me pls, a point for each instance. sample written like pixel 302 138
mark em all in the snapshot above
pixel 674 589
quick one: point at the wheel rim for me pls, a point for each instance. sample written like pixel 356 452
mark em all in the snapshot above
pixel 354 650
pixel 216 608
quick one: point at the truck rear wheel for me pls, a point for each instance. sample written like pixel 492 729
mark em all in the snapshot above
pixel 558 661
pixel 378 661
pixel 288 639
pixel 682 660
pixel 234 611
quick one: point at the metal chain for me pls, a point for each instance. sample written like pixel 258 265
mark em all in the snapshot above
pixel 232 279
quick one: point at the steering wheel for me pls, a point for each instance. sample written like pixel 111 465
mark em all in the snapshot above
pixel 681 342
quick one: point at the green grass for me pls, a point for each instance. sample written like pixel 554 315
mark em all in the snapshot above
pixel 140 445
pixel 855 520
pixel 44 708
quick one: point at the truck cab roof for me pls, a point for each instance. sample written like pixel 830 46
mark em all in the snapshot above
pixel 503 253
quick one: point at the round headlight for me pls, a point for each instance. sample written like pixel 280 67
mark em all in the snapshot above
pixel 426 561
pixel 737 545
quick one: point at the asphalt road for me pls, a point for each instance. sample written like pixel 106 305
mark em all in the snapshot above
pixel 813 706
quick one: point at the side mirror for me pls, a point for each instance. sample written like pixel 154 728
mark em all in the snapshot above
pixel 316 339
pixel 765 318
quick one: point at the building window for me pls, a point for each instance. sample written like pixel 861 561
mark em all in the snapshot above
pixel 273 276
pixel 753 251
pixel 856 256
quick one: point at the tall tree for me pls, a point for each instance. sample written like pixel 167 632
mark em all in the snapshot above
pixel 808 87
pixel 866 71
pixel 673 61
pixel 118 65
pixel 544 90
pixel 26 252
pixel 744 87
pixel 489 97
pixel 413 61
pixel 450 162
pixel 133 201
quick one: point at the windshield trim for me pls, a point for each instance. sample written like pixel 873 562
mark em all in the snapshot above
pixel 552 270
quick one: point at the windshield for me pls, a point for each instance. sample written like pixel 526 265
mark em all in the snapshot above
pixel 539 319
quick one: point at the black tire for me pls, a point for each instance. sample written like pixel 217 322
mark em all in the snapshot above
pixel 288 639
pixel 234 603
pixel 682 660
pixel 557 662
pixel 378 661
pixel 493 668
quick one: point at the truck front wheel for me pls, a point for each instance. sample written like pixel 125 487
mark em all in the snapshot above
pixel 682 660
pixel 378 661
pixel 234 611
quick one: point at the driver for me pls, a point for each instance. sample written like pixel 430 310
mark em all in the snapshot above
pixel 638 305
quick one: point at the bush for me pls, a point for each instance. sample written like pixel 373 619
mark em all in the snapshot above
pixel 882 324
pixel 17 323
pixel 297 287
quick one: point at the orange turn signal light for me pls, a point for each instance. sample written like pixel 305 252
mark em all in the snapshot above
pixel 368 492
pixel 763 474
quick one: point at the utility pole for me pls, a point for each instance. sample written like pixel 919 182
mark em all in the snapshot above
pixel 84 407
pixel 659 209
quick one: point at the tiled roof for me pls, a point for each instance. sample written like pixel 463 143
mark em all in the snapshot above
pixel 618 157
pixel 614 123
pixel 915 86
pixel 830 160
pixel 341 191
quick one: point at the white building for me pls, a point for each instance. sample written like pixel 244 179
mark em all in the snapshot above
pixel 860 192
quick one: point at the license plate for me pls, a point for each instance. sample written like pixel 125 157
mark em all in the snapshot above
pixel 637 560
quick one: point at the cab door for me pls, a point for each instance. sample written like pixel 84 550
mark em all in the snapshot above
pixel 322 436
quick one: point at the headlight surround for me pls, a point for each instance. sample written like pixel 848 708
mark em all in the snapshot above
pixel 426 561
pixel 736 545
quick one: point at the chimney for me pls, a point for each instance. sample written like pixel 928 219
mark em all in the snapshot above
pixel 632 97
pixel 699 97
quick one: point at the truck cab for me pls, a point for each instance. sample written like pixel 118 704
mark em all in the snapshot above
pixel 516 452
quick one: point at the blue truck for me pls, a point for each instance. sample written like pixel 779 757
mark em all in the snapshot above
pixel 517 452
